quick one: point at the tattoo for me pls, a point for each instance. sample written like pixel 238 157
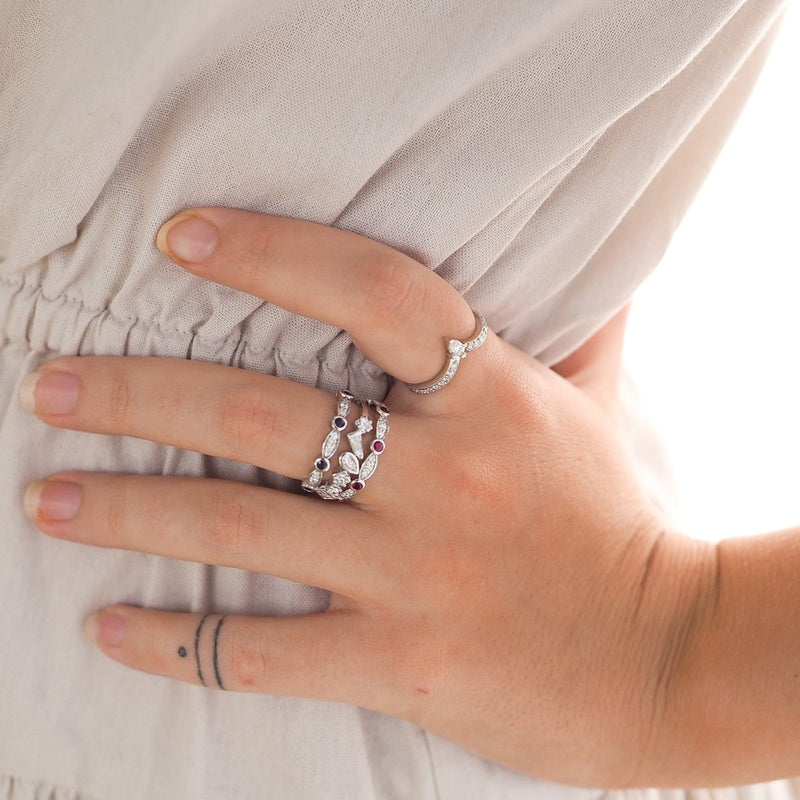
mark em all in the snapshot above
pixel 216 660
pixel 197 649
pixel 182 651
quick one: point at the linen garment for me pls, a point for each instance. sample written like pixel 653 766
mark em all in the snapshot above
pixel 520 148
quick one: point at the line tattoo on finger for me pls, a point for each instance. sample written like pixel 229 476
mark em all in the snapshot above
pixel 216 654
pixel 197 649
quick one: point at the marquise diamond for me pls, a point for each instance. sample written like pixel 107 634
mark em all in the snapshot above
pixel 331 444
pixel 368 467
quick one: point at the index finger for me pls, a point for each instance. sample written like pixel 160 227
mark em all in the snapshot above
pixel 398 311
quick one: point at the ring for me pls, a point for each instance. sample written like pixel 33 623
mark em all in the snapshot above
pixel 356 465
pixel 456 350
pixel 331 442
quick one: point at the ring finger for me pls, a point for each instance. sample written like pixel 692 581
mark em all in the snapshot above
pixel 217 410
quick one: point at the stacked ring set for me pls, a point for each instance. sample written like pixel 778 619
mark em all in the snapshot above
pixel 357 464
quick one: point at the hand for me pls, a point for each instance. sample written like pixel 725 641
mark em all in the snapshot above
pixel 501 581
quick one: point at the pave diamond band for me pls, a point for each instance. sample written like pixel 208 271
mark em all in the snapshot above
pixel 331 442
pixel 456 350
pixel 357 464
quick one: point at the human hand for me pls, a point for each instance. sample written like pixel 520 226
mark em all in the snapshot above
pixel 501 581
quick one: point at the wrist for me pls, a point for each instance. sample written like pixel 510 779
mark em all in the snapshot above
pixel 674 607
pixel 734 717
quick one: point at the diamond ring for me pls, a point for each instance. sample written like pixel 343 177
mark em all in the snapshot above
pixel 357 464
pixel 456 350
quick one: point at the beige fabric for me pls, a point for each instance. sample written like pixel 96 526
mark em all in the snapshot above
pixel 500 143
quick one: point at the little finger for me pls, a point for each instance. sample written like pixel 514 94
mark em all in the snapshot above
pixel 325 656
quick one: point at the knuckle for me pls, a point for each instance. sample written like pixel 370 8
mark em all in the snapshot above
pixel 232 527
pixel 248 417
pixel 153 653
pixel 257 253
pixel 119 399
pixel 116 503
pixel 484 482
pixel 416 664
pixel 249 662
pixel 394 290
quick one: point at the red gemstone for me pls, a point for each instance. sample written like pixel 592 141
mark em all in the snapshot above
pixel 378 446
pixel 357 486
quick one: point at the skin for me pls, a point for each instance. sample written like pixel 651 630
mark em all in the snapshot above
pixel 513 591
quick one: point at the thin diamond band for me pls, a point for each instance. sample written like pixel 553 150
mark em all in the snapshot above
pixel 456 350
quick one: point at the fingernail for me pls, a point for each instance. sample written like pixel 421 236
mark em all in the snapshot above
pixel 105 628
pixel 190 239
pixel 50 393
pixel 91 627
pixel 57 501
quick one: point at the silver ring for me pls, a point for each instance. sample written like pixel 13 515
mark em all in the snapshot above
pixel 456 350
pixel 331 442
pixel 356 465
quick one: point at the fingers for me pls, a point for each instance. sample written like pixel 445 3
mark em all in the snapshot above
pixel 324 656
pixel 220 411
pixel 210 521
pixel 398 311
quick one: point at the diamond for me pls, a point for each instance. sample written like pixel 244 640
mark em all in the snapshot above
pixel 330 445
pixel 364 424
pixel 340 479
pixel 349 462
pixel 314 478
pixel 368 467
pixel 355 443
pixel 382 428
pixel 456 349
pixel 343 408
pixel 478 340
